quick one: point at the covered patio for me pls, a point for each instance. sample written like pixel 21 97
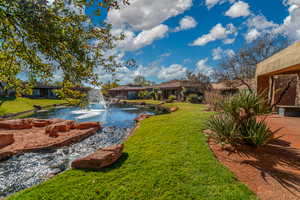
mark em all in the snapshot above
pixel 278 78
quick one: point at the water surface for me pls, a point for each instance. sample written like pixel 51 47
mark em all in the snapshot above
pixel 29 169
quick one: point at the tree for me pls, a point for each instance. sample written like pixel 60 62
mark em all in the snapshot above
pixel 242 65
pixel 107 86
pixel 200 78
pixel 40 39
pixel 141 80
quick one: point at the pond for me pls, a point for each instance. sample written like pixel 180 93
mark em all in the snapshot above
pixel 23 171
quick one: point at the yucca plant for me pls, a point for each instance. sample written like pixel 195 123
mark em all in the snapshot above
pixel 238 124
pixel 224 130
pixel 256 133
pixel 244 105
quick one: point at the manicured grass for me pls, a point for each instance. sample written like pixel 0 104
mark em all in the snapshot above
pixel 166 158
pixel 24 104
pixel 147 101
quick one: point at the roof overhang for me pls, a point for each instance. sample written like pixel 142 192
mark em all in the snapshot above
pixel 284 62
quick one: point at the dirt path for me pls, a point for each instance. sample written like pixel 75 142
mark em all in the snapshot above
pixel 272 172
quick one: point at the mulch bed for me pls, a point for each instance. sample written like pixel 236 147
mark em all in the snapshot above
pixel 272 172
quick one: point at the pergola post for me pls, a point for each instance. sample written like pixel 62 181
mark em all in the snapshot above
pixel 272 91
pixel 297 100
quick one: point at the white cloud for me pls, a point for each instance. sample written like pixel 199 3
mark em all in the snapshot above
pixel 146 14
pixel 148 36
pixel 219 53
pixel 212 3
pixel 260 22
pixel 134 42
pixel 174 71
pixel 204 68
pixel 185 23
pixel 151 72
pixel 259 25
pixel 291 24
pixel 229 41
pixel 218 32
pixel 238 9
pixel 252 35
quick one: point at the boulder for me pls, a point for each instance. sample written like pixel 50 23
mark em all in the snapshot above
pixel 6 139
pixel 173 109
pixel 16 124
pixel 87 125
pixel 100 159
pixel 141 117
pixel 65 126
pixel 56 120
pixel 41 122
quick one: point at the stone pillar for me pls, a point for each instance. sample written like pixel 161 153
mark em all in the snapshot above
pixel 297 100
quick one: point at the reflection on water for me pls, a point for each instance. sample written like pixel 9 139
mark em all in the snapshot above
pixel 23 171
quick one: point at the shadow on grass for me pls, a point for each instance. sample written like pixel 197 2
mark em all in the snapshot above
pixel 278 160
pixel 114 166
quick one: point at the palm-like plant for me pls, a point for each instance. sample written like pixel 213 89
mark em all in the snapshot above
pixel 237 124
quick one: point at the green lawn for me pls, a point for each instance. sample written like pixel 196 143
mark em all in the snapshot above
pixel 147 101
pixel 24 104
pixel 166 158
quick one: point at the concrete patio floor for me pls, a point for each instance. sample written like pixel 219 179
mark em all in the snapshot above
pixel 289 128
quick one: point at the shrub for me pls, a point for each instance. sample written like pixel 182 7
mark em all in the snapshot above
pixel 213 98
pixel 172 98
pixel 238 125
pixel 224 131
pixel 194 98
pixel 256 133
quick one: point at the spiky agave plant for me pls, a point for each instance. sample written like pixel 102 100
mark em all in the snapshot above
pixel 239 114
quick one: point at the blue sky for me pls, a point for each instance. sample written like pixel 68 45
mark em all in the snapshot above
pixel 169 37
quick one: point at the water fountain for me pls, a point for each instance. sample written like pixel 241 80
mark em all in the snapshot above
pixel 97 106
pixel 96 96
pixel 29 169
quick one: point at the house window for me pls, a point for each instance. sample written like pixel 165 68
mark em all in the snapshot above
pixel 36 92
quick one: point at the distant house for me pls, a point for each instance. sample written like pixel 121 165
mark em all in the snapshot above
pixel 48 91
pixel 6 93
pixel 232 87
pixel 44 91
pixel 174 87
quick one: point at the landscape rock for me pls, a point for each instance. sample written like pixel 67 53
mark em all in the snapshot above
pixel 65 126
pixel 41 122
pixel 6 139
pixel 16 124
pixel 27 140
pixel 173 109
pixel 87 125
pixel 141 117
pixel 100 159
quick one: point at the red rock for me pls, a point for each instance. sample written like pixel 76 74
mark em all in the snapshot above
pixel 41 122
pixel 6 139
pixel 64 126
pixel 53 134
pixel 173 109
pixel 87 125
pixel 16 124
pixel 100 159
pixel 56 120
pixel 141 117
